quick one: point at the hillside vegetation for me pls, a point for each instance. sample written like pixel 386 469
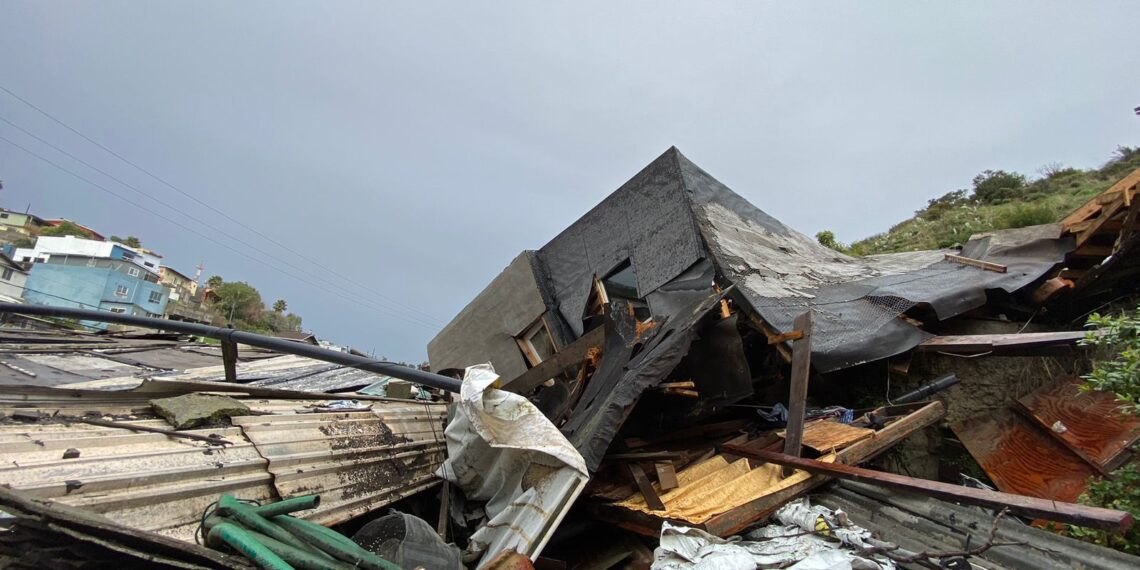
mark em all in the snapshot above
pixel 997 200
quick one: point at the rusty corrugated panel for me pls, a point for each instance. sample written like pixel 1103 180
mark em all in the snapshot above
pixel 1089 423
pixel 356 461
pixel 143 480
pixel 1021 458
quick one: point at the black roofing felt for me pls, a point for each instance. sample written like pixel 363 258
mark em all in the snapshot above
pixel 672 214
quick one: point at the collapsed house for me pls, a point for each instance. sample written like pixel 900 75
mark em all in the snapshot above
pixel 653 328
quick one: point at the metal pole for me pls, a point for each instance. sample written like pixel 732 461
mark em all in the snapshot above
pixel 261 341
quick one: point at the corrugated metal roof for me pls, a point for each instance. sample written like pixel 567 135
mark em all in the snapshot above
pixel 144 480
pixel 356 461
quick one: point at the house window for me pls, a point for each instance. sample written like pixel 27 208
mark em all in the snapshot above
pixel 122 291
pixel 8 274
pixel 621 283
pixel 155 297
pixel 133 271
pixel 148 264
pixel 118 310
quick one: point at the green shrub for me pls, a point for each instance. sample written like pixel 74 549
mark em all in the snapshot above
pixel 1121 492
pixel 1116 369
pixel 1022 215
pixel 826 238
pixel 998 186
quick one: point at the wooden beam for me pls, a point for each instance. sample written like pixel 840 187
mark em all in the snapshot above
pixel 1106 214
pixel 651 499
pixel 771 333
pixel 785 337
pixel 984 265
pixel 1093 205
pixel 229 359
pixel 797 397
pixel 1069 513
pixel 739 518
pixel 995 342
pixel 572 354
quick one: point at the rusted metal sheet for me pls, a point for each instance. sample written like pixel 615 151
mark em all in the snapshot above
pixel 1088 423
pixel 356 461
pixel 143 480
pixel 1020 458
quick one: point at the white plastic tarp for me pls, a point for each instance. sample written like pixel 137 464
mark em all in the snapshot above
pixel 502 450
pixel 793 544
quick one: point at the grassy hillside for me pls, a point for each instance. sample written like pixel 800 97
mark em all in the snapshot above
pixel 998 200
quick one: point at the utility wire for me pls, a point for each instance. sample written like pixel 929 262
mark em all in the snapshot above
pixel 212 208
pixel 204 236
pixel 331 283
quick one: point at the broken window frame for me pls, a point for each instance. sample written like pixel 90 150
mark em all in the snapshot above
pixel 530 352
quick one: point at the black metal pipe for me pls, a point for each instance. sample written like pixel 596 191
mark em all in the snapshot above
pixel 261 341
pixel 939 384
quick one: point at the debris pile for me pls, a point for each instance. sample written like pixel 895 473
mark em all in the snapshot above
pixel 675 369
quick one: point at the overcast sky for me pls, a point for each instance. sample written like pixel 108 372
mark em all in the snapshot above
pixel 398 156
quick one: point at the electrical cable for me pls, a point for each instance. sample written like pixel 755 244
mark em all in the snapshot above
pixel 200 221
pixel 208 238
pixel 209 206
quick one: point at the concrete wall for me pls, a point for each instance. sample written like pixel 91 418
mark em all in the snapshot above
pixel 13 219
pixel 485 330
pixel 13 286
pixel 48 246
pixel 65 285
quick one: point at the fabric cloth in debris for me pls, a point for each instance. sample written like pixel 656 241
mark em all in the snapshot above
pixel 792 544
pixel 715 486
pixel 503 451
pixel 409 542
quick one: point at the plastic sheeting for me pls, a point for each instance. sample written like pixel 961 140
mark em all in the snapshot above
pixel 808 538
pixel 502 451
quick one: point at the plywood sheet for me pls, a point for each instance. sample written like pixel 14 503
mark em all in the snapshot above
pixel 1090 423
pixel 825 436
pixel 1021 458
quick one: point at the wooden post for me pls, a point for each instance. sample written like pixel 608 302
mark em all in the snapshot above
pixel 229 359
pixel 797 398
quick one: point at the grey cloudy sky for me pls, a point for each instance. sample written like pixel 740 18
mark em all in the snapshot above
pixel 416 148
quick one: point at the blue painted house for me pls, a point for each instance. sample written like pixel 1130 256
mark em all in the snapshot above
pixel 114 285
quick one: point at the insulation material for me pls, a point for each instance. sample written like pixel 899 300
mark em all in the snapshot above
pixel 775 546
pixel 715 486
pixel 502 451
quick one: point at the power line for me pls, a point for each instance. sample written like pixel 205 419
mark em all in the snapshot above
pixel 211 207
pixel 200 221
pixel 204 236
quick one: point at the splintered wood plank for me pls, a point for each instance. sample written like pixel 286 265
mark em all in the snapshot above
pixel 1020 458
pixel 1088 423
pixel 986 342
pixel 985 265
pixel 1093 206
pixel 828 435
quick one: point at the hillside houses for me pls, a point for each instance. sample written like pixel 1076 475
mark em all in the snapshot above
pixel 91 272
